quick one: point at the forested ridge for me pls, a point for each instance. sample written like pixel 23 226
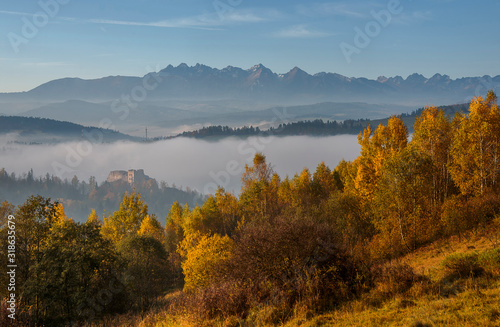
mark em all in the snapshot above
pixel 317 127
pixel 32 126
pixel 303 244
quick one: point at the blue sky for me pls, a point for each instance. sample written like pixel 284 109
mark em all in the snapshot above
pixel 92 39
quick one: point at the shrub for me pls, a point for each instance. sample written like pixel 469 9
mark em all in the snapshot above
pixel 224 299
pixel 460 214
pixel 490 261
pixel 279 265
pixel 396 279
pixel 292 260
pixel 461 265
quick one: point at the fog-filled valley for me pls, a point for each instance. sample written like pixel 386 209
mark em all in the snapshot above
pixel 196 164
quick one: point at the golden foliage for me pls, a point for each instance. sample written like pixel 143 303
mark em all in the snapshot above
pixel 150 226
pixel 475 149
pixel 202 254
pixel 127 220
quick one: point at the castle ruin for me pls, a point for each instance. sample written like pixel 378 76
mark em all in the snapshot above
pixel 131 176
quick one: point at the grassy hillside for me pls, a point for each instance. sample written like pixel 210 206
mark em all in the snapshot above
pixel 427 294
pixel 440 299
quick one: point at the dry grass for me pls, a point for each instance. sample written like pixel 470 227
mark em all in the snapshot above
pixel 426 260
pixel 463 302
pixel 476 305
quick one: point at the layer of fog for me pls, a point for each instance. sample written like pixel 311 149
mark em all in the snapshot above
pixel 197 164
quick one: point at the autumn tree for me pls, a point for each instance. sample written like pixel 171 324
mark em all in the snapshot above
pixel 475 149
pixel 127 220
pixel 256 197
pixel 385 142
pixel 291 259
pixel 301 188
pixel 205 219
pixel 75 265
pixel 346 172
pixel 218 214
pixel 59 216
pixel 61 265
pixel 228 209
pixel 353 218
pixel 402 201
pixel 367 173
pixel 174 234
pixel 202 255
pixel 6 209
pixel 174 227
pixel 325 182
pixel 94 218
pixel 146 269
pixel 150 226
pixel 432 137
pixel 33 223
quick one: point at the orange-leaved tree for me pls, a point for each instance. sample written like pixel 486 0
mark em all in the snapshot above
pixel 475 149
pixel 432 136
pixel 385 142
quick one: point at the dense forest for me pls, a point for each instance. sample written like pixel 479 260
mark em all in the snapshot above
pixel 307 243
pixel 80 197
pixel 315 127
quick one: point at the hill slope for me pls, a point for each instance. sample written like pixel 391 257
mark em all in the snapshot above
pixel 466 301
pixel 42 130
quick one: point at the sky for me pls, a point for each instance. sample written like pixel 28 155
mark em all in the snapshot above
pixel 49 39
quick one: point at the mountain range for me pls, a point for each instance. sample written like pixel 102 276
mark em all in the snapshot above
pixel 260 84
pixel 182 98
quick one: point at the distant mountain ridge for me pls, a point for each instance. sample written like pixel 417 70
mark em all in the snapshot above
pixel 261 84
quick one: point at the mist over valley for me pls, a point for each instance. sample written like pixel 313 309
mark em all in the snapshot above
pixel 194 163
